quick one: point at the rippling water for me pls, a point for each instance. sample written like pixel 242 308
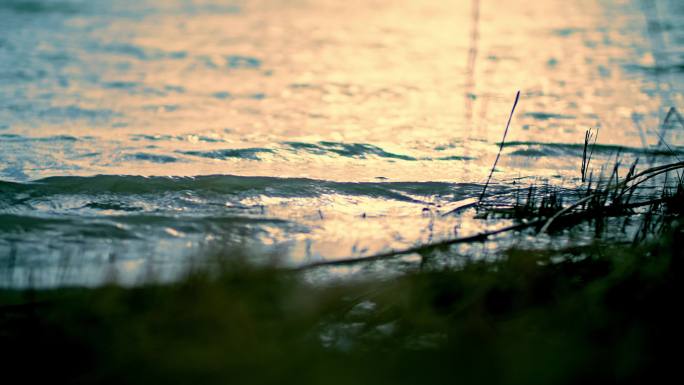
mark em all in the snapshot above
pixel 138 134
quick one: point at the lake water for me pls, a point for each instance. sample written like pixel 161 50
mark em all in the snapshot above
pixel 138 135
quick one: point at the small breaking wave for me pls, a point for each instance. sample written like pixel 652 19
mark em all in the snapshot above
pixel 226 185
pixel 540 149
pixel 349 150
pixel 243 153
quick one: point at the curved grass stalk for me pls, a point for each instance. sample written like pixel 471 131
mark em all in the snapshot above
pixel 647 174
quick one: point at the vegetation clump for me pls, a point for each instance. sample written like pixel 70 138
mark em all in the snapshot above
pixel 603 313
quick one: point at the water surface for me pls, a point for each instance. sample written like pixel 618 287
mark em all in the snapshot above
pixel 135 135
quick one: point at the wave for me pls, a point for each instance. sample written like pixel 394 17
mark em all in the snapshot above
pixel 91 221
pixel 227 185
pixel 242 153
pixel 540 149
pixel 36 6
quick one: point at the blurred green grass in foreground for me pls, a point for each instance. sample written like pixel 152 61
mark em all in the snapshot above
pixel 603 313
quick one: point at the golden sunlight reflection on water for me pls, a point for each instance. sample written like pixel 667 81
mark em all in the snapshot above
pixel 187 87
pixel 372 91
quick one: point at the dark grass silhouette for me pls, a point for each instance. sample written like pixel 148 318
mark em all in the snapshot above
pixel 586 153
pixel 501 146
pixel 603 313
